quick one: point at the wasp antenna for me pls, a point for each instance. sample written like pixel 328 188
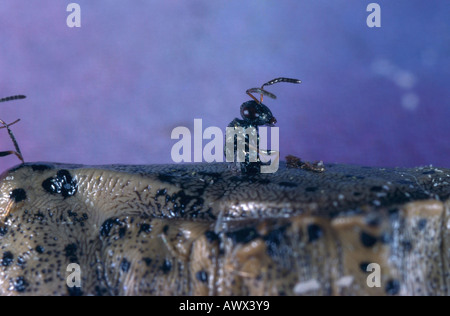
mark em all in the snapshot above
pixel 249 92
pixel 281 79
pixel 261 92
pixel 14 97
pixel 276 80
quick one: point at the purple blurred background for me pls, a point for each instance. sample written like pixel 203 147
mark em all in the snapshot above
pixel 113 90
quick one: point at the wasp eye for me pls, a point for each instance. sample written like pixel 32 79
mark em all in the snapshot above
pixel 249 112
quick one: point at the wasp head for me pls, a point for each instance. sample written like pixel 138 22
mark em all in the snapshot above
pixel 257 114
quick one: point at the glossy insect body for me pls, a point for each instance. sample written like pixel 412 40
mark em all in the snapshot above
pixel 254 114
pixel 11 135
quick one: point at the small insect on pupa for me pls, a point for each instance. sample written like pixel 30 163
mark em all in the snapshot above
pixel 11 135
pixel 254 113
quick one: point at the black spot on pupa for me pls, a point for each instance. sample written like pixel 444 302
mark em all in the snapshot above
pixel 39 249
pixel 202 276
pixel 148 261
pixel 181 200
pixel 40 167
pixel 211 236
pixel 18 195
pixel 71 252
pixel 122 232
pixel 363 266
pixel 165 229
pixel 288 184
pixel 145 228
pixel 429 172
pixel 243 235
pixel 125 265
pixel 39 216
pixel 376 188
pixel 314 232
pixel 61 184
pixel 392 287
pixel 107 225
pixel 3 230
pixel 407 245
pixel 160 192
pixel 311 189
pixel 21 261
pixel 357 193
pixel 100 291
pixel 273 240
pixel 7 259
pixel 367 240
pixel 422 223
pixel 166 266
pixel 163 177
pixel 20 284
pixel 74 291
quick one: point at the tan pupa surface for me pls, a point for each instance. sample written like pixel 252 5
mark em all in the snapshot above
pixel 206 229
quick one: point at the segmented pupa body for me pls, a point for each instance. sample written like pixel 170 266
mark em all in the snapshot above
pixel 208 229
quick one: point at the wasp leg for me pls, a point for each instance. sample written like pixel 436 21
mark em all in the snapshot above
pixel 18 153
pixel 10 152
pixel 8 125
